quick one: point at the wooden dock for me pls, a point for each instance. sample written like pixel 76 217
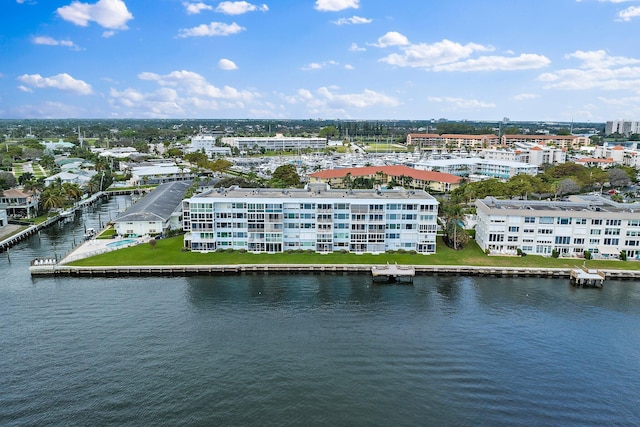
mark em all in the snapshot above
pixel 586 278
pixel 393 273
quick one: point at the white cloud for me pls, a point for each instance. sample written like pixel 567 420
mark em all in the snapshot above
pixel 324 100
pixel 213 29
pixel 392 38
pixel 24 88
pixel 112 14
pixel 239 7
pixel 461 103
pixel 62 82
pixel 429 55
pixel 349 67
pixel 497 63
pixel 629 13
pixel 318 65
pixel 355 48
pixel 336 5
pixel 367 98
pixel 447 55
pixel 600 59
pixel 598 70
pixel 50 41
pixel 227 64
pixel 196 8
pixel 194 84
pixel 525 96
pixel 180 93
pixel 353 20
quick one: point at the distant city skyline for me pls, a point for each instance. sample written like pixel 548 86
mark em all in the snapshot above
pixel 546 60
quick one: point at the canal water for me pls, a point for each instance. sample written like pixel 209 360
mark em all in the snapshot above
pixel 310 349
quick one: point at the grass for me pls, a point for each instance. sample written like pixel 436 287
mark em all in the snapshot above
pixel 169 252
pixel 107 233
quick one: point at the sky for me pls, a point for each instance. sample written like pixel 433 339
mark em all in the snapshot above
pixel 539 60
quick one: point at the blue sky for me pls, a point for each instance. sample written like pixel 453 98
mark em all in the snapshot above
pixel 551 60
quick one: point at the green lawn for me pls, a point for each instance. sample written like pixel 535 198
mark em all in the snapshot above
pixel 168 252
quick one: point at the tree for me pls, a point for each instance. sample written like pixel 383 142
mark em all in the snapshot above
pixel 328 132
pixel 618 178
pixel 455 235
pixel 567 186
pixel 7 180
pixel 25 177
pixel 285 176
pixel 52 197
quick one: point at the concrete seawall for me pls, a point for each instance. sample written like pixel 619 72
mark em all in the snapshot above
pixel 196 270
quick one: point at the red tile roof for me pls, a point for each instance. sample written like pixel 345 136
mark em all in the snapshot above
pixel 399 170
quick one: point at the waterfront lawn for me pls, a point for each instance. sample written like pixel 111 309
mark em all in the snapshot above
pixel 169 252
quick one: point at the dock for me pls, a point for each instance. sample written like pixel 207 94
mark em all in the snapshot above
pixel 586 278
pixel 393 273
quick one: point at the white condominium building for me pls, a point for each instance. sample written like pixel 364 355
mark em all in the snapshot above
pixel 583 223
pixel 317 219
pixel 276 143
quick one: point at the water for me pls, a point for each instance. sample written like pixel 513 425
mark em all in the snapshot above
pixel 311 350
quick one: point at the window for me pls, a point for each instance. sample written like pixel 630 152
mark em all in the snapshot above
pixel 581 221
pixel 563 240
pixel 610 241
pixel 611 231
pixel 616 222
pixel 514 229
pixel 529 220
pixel 563 221
pixel 596 222
pixel 579 241
pixel 545 220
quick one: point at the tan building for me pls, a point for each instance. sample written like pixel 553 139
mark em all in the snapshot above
pixel 561 141
pixel 448 142
pixel 383 175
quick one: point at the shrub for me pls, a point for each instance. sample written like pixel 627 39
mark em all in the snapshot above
pixel 555 253
pixel 228 250
pixel 587 255
pixel 242 251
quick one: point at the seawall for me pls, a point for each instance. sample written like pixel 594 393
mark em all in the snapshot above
pixel 212 270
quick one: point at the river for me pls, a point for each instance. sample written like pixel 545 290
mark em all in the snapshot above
pixel 310 349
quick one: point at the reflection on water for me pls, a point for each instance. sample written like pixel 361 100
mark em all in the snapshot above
pixel 311 349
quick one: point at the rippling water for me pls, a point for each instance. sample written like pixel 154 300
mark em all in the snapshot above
pixel 312 350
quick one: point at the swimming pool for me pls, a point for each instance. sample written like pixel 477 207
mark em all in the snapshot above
pixel 121 243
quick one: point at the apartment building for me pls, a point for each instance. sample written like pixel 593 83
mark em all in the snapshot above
pixel 623 127
pixel 446 142
pixel 536 155
pixel 275 143
pixel 599 225
pixel 488 168
pixel 573 142
pixel 207 143
pixel 403 176
pixel 316 218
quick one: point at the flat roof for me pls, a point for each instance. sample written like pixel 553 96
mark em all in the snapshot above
pixel 315 192
pixel 574 204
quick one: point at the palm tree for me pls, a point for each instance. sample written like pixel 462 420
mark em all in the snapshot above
pixel 52 197
pixel 72 191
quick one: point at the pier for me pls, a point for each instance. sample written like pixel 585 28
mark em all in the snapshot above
pixel 393 273
pixel 586 278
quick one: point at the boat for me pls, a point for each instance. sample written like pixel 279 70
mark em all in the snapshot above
pixel 90 234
